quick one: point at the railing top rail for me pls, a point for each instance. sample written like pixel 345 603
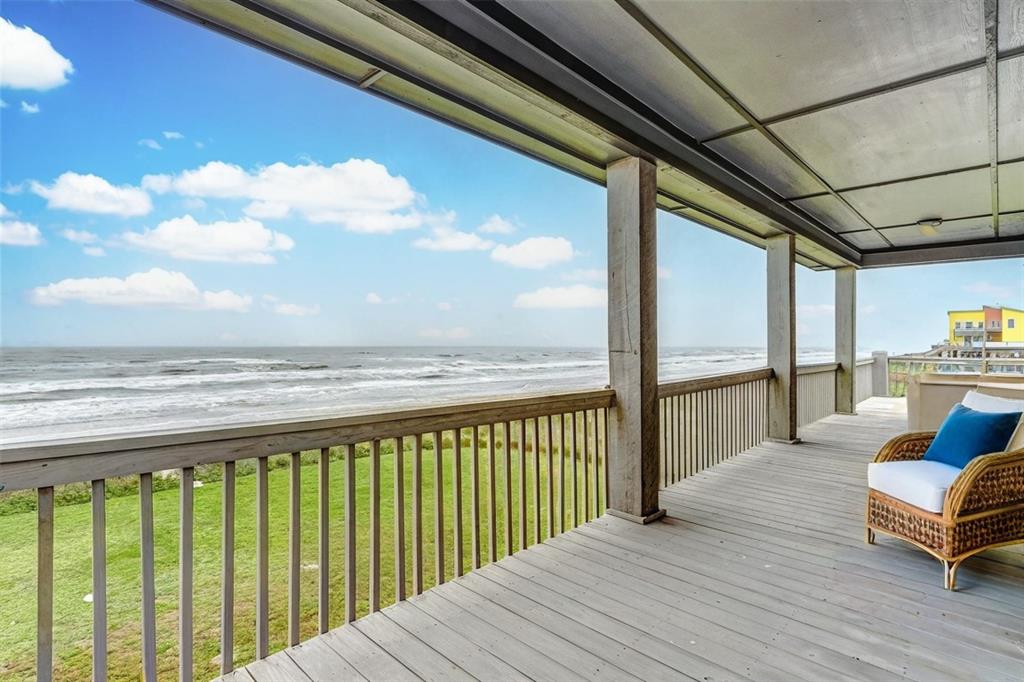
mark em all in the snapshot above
pixel 817 367
pixel 274 437
pixel 702 383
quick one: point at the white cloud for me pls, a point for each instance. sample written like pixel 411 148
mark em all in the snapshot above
pixel 27 108
pixel 80 236
pixel 575 296
pixel 18 233
pixel 3 104
pixel 452 334
pixel 534 253
pixel 496 225
pixel 279 307
pixel 194 204
pixel 94 251
pixel 93 194
pixel 173 135
pixel 586 275
pixel 815 310
pixel 664 273
pixel 447 238
pixel 996 292
pixel 360 195
pixel 444 306
pixel 869 309
pixel 373 298
pixel 156 288
pixel 5 212
pixel 28 60
pixel 242 241
pixel 199 145
pixel 151 143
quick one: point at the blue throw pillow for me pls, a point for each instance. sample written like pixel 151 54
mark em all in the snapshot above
pixel 966 434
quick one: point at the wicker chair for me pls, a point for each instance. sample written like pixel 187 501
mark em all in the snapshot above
pixel 983 508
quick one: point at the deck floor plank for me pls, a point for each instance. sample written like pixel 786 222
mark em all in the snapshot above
pixel 759 572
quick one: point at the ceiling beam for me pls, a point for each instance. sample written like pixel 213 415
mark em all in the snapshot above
pixel 945 253
pixel 491 33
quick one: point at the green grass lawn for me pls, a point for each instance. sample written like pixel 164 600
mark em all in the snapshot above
pixel 73 578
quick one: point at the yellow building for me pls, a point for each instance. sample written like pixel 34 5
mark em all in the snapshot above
pixel 991 323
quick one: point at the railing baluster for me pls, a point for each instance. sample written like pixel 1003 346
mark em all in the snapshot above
pixel 662 443
pixel 227 575
pixel 44 584
pixel 374 525
pixel 551 477
pixel 262 563
pixel 99 580
pixel 673 426
pixel 536 482
pixel 439 552
pixel 324 544
pixel 586 467
pixel 597 468
pixel 492 501
pixel 563 437
pixel 399 519
pixel 457 498
pixel 294 545
pixel 417 515
pixel 350 532
pixel 522 484
pixel 148 582
pixel 185 576
pixel 475 495
pixel 508 487
pixel 573 454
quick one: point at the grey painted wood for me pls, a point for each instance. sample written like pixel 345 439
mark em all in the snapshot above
pixel 294 544
pixel 782 392
pixel 262 560
pixel 185 551
pixel 227 573
pixel 759 572
pixel 44 584
pixel 324 540
pixel 148 581
pixel 633 337
pixel 99 580
pixel 880 373
pixel 846 339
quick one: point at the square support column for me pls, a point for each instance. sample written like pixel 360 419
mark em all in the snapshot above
pixel 633 340
pixel 846 340
pixel 782 337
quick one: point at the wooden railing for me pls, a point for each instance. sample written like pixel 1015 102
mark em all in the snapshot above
pixel 816 392
pixel 708 419
pixel 536 467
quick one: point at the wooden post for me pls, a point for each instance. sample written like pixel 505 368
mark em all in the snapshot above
pixel 633 340
pixel 880 373
pixel 782 337
pixel 846 340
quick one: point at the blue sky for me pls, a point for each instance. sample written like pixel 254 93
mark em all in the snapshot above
pixel 162 187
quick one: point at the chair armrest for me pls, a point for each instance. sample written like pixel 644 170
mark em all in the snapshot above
pixel 987 482
pixel 906 446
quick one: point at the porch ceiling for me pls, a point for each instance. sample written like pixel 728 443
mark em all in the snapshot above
pixel 845 123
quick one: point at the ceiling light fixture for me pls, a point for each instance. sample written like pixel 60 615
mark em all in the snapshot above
pixel 928 225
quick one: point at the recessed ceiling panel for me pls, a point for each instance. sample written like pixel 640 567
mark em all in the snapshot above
pixel 953 230
pixel 753 152
pixel 1012 225
pixel 1011 107
pixel 606 38
pixel 938 125
pixel 865 239
pixel 833 213
pixel 957 195
pixel 1011 187
pixel 779 56
pixel 1011 24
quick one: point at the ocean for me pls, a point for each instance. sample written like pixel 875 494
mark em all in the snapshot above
pixel 60 392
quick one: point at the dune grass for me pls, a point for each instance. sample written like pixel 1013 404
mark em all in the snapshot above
pixel 72 559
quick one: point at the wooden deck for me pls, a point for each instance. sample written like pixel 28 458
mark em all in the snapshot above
pixel 758 572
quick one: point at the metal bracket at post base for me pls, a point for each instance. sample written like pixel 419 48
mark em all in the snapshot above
pixel 643 520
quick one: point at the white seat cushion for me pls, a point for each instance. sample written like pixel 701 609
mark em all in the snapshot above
pixel 982 402
pixel 920 483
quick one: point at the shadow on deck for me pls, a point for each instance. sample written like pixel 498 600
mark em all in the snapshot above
pixel 758 572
